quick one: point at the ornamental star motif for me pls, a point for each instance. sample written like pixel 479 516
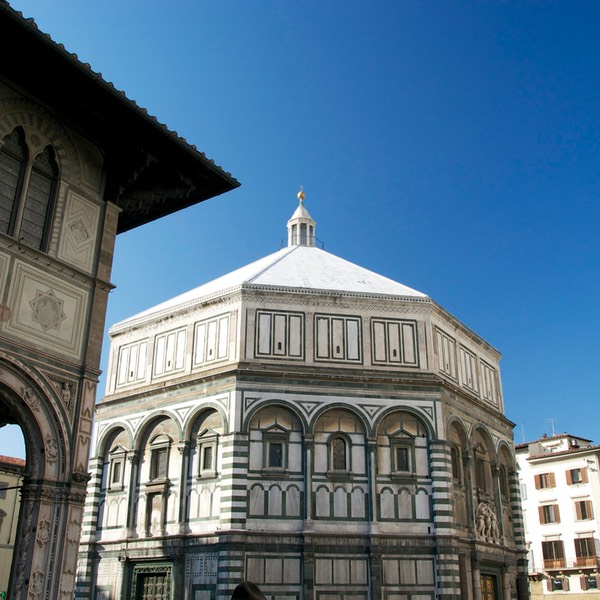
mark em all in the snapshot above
pixel 47 310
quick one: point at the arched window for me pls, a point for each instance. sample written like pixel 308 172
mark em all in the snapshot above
pixel 27 191
pixel 338 454
pixel 13 157
pixel 39 200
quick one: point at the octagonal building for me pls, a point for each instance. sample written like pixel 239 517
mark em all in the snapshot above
pixel 311 426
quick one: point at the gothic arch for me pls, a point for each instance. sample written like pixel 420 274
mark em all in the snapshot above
pixel 41 130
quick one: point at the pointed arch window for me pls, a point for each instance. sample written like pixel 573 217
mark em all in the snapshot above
pixel 13 158
pixel 27 191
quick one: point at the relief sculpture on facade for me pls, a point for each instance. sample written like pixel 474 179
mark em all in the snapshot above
pixel 486 522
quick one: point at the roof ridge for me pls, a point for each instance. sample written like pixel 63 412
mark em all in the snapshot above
pixel 284 253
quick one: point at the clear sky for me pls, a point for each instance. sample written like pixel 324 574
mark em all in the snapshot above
pixel 451 146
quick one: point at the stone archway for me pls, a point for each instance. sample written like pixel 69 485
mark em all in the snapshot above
pixel 51 498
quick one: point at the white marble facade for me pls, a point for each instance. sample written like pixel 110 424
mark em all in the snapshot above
pixel 308 425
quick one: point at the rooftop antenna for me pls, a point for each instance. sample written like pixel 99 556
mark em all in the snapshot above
pixel 551 420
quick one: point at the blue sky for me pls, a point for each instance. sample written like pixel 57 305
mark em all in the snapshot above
pixel 451 146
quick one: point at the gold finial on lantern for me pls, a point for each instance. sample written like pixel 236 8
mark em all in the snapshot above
pixel 301 195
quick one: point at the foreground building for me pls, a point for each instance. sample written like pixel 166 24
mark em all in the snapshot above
pixel 79 163
pixel 561 504
pixel 308 425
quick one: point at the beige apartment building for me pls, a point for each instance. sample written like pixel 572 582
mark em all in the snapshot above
pixel 560 488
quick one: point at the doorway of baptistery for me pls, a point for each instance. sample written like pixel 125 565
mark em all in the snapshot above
pixel 490 589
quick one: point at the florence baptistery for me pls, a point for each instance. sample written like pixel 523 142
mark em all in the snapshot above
pixel 308 425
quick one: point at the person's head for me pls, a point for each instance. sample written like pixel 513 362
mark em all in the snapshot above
pixel 247 591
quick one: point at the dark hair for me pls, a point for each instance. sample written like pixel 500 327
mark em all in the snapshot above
pixel 247 591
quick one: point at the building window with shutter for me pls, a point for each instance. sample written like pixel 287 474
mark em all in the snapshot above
pixel 589 582
pixel 549 514
pixel 575 476
pixel 585 552
pixel 28 191
pixel 544 480
pixel 584 510
pixel 558 584
pixel 554 554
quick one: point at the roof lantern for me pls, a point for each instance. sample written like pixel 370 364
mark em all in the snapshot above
pixel 301 226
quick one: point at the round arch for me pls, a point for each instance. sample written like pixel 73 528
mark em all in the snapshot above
pixel 28 400
pixel 107 435
pixel 421 416
pixel 145 426
pixel 479 429
pixel 270 404
pixel 362 419
pixel 193 416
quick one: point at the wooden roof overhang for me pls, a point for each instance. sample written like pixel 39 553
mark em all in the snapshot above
pixel 150 171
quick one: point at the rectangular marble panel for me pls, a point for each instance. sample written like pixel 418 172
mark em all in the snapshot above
pixel 79 232
pixel 296 336
pixel 47 311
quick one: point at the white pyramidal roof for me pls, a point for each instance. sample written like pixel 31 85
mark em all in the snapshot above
pixel 300 267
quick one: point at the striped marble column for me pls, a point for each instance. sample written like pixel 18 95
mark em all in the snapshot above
pixel 87 554
pixel 443 519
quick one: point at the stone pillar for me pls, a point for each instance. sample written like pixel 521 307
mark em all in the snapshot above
pixel 87 558
pixel 372 476
pixel 184 451
pixel 308 467
pixel 498 499
pixel 376 573
pixel 467 462
pixel 476 579
pixel 443 519
pixel 134 461
pixel 309 575
pixel 519 530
